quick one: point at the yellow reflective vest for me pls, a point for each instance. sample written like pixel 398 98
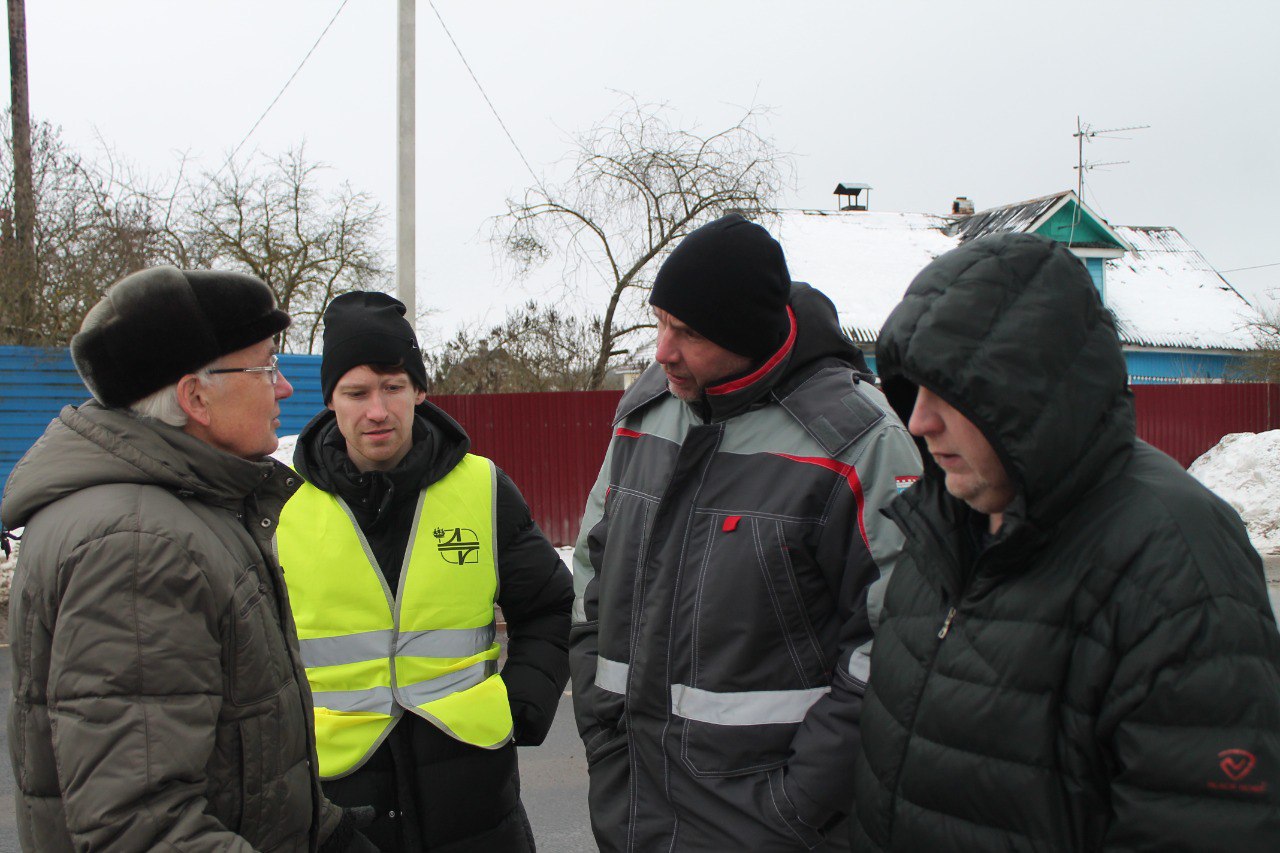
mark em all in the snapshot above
pixel 430 649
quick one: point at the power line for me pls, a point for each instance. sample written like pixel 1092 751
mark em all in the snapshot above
pixel 485 95
pixel 231 157
pixel 1258 267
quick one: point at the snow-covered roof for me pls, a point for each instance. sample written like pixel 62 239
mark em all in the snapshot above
pixel 1164 293
pixel 863 261
pixel 1020 216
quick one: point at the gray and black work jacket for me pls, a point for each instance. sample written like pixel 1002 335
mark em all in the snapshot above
pixel 722 579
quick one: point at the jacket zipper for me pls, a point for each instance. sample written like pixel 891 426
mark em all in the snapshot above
pixel 946 624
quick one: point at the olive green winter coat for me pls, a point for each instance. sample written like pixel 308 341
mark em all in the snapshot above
pixel 158 698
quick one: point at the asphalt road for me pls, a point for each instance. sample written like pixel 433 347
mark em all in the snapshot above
pixel 8 819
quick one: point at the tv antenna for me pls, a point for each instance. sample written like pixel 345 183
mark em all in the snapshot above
pixel 1087 132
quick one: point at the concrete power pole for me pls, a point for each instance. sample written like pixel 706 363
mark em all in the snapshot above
pixel 21 284
pixel 405 141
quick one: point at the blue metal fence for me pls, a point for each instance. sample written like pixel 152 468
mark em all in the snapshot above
pixel 1156 367
pixel 36 383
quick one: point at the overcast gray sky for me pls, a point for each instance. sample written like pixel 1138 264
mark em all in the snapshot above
pixel 922 100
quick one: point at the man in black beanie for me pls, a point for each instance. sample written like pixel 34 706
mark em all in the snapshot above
pixel 730 562
pixel 398 545
pixel 159 703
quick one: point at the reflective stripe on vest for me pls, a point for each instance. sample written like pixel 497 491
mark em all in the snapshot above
pixel 429 649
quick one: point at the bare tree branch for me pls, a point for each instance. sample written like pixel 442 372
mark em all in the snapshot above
pixel 637 186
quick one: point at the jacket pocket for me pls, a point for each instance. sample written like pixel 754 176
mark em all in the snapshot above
pixel 252 779
pixel 752 625
pixel 260 666
pixel 711 749
pixel 606 742
pixel 598 684
pixel 757 666
pixel 225 786
pixel 783 808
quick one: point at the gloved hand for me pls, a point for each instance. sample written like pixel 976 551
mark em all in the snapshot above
pixel 347 838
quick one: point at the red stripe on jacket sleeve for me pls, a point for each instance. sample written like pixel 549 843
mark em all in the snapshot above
pixel 627 433
pixel 850 475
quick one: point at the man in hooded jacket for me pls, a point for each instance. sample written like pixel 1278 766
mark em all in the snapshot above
pixel 724 563
pixel 395 551
pixel 1076 650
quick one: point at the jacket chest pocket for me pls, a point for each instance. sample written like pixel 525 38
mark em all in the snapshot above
pixel 752 618
pixel 757 662
pixel 259 659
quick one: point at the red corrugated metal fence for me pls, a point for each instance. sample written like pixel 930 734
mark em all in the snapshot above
pixel 551 445
pixel 1186 420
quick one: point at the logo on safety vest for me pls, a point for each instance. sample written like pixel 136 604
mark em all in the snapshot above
pixel 458 545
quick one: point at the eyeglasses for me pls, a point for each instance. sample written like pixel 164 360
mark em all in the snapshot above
pixel 273 369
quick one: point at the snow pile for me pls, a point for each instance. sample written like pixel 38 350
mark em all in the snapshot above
pixel 1244 470
pixel 284 453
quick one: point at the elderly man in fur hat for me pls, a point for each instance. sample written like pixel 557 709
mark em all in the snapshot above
pixel 159 701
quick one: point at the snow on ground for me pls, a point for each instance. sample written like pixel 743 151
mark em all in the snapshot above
pixel 1244 470
pixel 284 453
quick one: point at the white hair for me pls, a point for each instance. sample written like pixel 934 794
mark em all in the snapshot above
pixel 163 405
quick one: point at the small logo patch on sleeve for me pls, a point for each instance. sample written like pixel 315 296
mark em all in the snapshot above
pixel 1237 765
pixel 904 483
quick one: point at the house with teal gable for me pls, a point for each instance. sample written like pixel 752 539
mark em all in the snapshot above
pixel 1179 319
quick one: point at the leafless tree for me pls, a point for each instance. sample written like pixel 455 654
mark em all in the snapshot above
pixel 533 349
pixel 272 218
pixel 1263 363
pixel 638 184
pixel 89 229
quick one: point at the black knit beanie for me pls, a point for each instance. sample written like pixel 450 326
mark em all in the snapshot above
pixel 728 281
pixel 367 327
pixel 153 327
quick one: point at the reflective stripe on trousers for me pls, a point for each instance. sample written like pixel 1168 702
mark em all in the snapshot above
pixel 743 708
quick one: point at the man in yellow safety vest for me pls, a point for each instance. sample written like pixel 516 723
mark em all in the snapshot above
pixel 395 551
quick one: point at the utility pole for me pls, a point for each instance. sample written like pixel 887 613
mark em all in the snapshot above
pixel 406 139
pixel 21 284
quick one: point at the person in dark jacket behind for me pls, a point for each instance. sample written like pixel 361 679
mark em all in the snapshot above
pixel 1076 650
pixel 395 550
pixel 725 562
pixel 159 702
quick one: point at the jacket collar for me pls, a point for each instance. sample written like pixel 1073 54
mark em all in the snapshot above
pixel 735 395
pixel 728 398
pixel 92 445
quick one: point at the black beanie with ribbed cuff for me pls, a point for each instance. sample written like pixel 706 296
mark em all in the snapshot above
pixel 728 281
pixel 367 327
